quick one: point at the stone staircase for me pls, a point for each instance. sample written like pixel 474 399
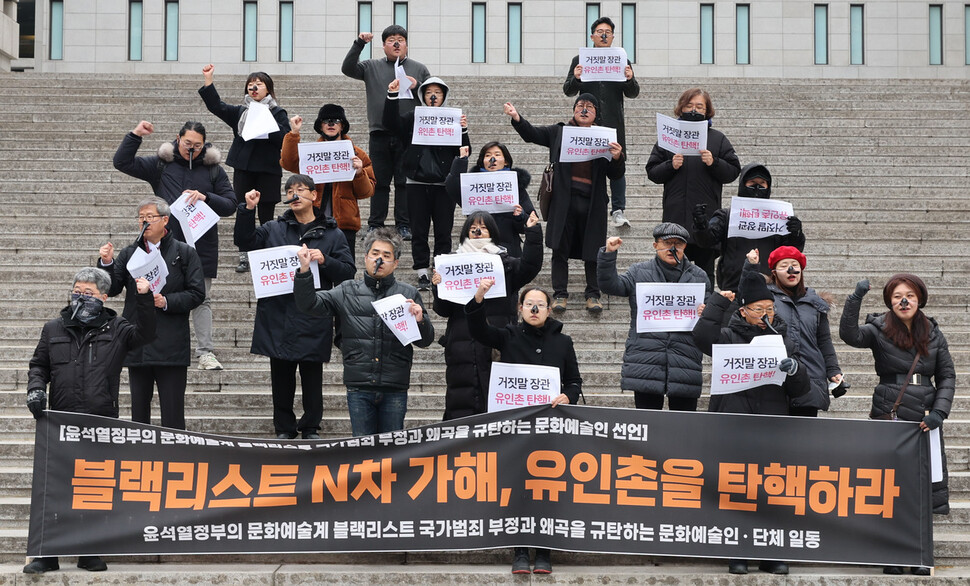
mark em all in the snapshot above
pixel 876 169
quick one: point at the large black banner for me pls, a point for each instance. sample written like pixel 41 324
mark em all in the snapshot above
pixel 572 478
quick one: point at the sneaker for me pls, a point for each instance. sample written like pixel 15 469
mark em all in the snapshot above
pixel 891 570
pixel 311 435
pixel 208 361
pixel 559 304
pixel 619 219
pixel 424 283
pixel 41 565
pixel 91 563
pixel 543 563
pixel 370 229
pixel 773 567
pixel 920 570
pixel 286 436
pixel 520 564
pixel 737 567
pixel 243 266
pixel 593 305
pixel 405 233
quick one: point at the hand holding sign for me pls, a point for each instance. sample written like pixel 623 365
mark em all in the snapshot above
pixel 616 149
pixel 160 301
pixel 142 285
pixel 415 310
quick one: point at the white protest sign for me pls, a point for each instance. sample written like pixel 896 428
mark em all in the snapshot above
pixel 436 126
pixel 149 266
pixel 195 219
pixel 259 122
pixel 680 136
pixel 462 273
pixel 603 63
pixel 394 312
pixel 754 218
pixel 521 385
pixel 668 307
pixel 586 144
pixel 327 161
pixel 493 192
pixel 404 91
pixel 273 270
pixel 738 367
pixel 936 456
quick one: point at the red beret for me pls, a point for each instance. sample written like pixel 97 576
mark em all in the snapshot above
pixel 782 252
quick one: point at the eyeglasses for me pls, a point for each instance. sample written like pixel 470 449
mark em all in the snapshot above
pixel 331 121
pixel 191 145
pixel 297 191
pixel 150 218
pixel 529 305
pixel 603 31
pixel 759 311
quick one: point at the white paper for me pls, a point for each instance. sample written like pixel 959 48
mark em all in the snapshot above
pixel 603 63
pixel 494 192
pixel 586 144
pixel 753 217
pixel 668 307
pixel 273 270
pixel 150 266
pixel 436 126
pixel 404 91
pixel 259 122
pixel 680 136
pixel 327 161
pixel 511 386
pixel 195 219
pixel 936 456
pixel 462 273
pixel 738 367
pixel 394 312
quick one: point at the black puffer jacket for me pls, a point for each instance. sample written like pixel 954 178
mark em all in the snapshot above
pixel 281 331
pixel 469 363
pixel 655 363
pixel 169 175
pixel 374 359
pixel 763 400
pixel 83 363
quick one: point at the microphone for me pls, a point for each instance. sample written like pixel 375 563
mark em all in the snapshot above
pixel 191 156
pixel 291 200
pixel 764 318
pixel 141 235
pixel 377 265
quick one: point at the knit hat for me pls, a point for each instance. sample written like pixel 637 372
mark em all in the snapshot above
pixel 753 288
pixel 331 112
pixel 670 230
pixel 913 281
pixel 394 29
pixel 782 252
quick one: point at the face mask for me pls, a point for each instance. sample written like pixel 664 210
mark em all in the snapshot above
pixel 692 116
pixel 757 191
pixel 86 308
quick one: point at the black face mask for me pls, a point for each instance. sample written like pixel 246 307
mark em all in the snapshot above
pixel 692 116
pixel 86 308
pixel 756 191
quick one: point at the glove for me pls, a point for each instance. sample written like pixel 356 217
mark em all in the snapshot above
pixel 794 225
pixel 788 366
pixel 37 402
pixel 700 216
pixel 934 419
pixel 861 288
pixel 840 389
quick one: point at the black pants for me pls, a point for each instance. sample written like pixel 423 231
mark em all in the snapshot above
pixel 171 393
pixel 387 156
pixel 283 379
pixel 574 231
pixel 426 204
pixel 266 184
pixel 703 258
pixel 652 401
pixel 351 237
pixel 803 411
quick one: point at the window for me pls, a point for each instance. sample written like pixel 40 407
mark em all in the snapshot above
pixel 250 20
pixel 707 33
pixel 742 33
pixel 135 12
pixel 57 29
pixel 478 32
pixel 821 34
pixel 515 33
pixel 286 31
pixel 936 34
pixel 364 25
pixel 171 31
pixel 401 14
pixel 628 28
pixel 966 34
pixel 592 13
pixel 856 36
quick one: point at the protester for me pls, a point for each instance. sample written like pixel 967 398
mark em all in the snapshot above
pixel 657 363
pixel 338 200
pixel 255 162
pixel 165 360
pixel 377 367
pixel 577 210
pixel 712 233
pixel 426 168
pixel 610 94
pixel 289 339
pixel 917 379
pixel 537 339
pixel 187 165
pixel 385 148
pixel 468 363
pixel 692 180
pixel 495 156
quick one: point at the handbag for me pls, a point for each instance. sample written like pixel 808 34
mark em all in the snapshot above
pixel 545 191
pixel 902 389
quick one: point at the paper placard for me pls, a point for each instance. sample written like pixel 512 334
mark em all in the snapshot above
pixel 603 63
pixel 149 266
pixel 680 136
pixel 668 307
pixel 511 386
pixel 395 314
pixel 936 456
pixel 273 270
pixel 195 219
pixel 327 161
pixel 404 91
pixel 259 122
pixel 494 192
pixel 436 126
pixel 586 144
pixel 738 367
pixel 461 274
pixel 753 217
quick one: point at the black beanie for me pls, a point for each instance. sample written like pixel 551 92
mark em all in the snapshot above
pixel 331 112
pixel 753 288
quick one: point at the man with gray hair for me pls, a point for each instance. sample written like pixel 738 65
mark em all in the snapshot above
pixel 80 355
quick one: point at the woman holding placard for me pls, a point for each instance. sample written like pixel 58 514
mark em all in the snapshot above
pixel 254 157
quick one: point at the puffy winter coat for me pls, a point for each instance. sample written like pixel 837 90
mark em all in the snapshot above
pixel 169 175
pixel 373 357
pixel 655 363
pixel 280 330
pixel 83 362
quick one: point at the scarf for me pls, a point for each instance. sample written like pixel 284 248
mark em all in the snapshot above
pixel 479 245
pixel 268 101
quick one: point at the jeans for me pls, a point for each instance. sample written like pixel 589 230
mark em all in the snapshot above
pixel 387 156
pixel 202 320
pixel 376 411
pixel 618 194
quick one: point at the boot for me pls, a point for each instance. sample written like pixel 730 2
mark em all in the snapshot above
pixel 41 565
pixel 773 567
pixel 543 562
pixel 243 266
pixel 738 567
pixel 520 563
pixel 91 563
